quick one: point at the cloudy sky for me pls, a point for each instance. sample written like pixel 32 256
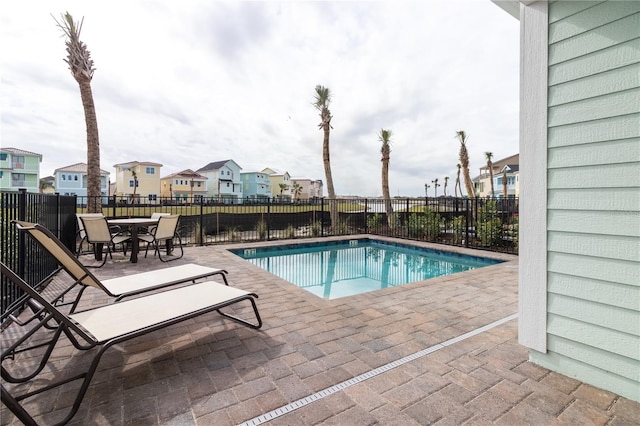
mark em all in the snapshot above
pixel 187 83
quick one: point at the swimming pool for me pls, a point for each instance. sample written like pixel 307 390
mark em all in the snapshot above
pixel 343 268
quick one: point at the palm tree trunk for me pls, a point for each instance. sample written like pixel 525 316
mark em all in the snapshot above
pixel 493 194
pixel 467 183
pixel 94 201
pixel 333 204
pixel 385 189
pixel 504 184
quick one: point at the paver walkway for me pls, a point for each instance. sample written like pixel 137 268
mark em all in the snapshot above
pixel 211 371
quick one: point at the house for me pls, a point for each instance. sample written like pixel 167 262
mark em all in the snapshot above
pixel 305 188
pixel 482 182
pixel 224 182
pixel 256 186
pixel 186 186
pixel 72 180
pixel 19 169
pixel 138 181
pixel 579 283
pixel 280 183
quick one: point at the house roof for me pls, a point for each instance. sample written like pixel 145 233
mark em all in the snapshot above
pixel 78 168
pixel 16 151
pixel 188 173
pixel 137 163
pixel 511 168
pixel 512 7
pixel 216 165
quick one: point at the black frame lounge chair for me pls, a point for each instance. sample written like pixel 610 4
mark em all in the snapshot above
pixel 117 288
pixel 108 325
pixel 98 233
pixel 167 231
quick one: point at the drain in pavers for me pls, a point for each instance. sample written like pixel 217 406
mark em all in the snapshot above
pixel 369 374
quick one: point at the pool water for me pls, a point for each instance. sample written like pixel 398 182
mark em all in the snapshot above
pixel 343 268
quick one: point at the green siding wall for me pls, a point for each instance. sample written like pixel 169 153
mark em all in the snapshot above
pixel 593 197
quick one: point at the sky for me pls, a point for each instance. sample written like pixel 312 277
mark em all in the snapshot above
pixel 187 83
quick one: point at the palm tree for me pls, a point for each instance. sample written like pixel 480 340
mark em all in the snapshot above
pixel 81 67
pixel 435 185
pixel 283 187
pixel 446 182
pixel 385 150
pixel 321 103
pixel 464 162
pixel 426 189
pixel 489 155
pixel 457 185
pixel 297 190
pixel 135 185
pixel 504 183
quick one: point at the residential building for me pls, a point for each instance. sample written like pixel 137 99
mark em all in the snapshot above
pixel 256 186
pixel 19 169
pixel 138 181
pixel 280 183
pixel 482 182
pixel 308 188
pixel 223 182
pixel 186 186
pixel 72 180
pixel 579 286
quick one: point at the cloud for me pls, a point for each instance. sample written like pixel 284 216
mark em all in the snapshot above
pixel 185 84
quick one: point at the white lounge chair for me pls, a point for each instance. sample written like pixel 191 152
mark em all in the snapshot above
pixel 106 326
pixel 117 288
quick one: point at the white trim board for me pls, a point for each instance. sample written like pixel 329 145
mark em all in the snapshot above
pixel 532 299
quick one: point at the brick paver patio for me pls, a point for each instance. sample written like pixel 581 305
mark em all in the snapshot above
pixel 211 371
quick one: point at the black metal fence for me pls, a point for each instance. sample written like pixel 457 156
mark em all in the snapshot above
pixel 23 255
pixel 489 224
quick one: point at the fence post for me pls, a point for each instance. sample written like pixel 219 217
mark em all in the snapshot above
pixel 322 217
pixel 22 215
pixel 201 221
pixel 366 209
pixel 268 218
pixel 58 214
pixel 406 221
pixel 467 210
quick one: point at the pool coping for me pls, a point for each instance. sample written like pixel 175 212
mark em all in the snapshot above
pixel 502 258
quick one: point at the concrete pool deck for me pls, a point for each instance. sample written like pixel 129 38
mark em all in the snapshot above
pixel 213 371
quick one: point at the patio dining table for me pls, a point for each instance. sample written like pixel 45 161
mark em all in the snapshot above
pixel 134 225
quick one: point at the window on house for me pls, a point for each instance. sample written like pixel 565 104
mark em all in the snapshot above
pixel 3 156
pixel 17 162
pixel 75 178
pixel 64 177
pixel 69 177
pixel 176 181
pixel 199 184
pixel 131 183
pixel 1 174
pixel 153 197
pixel 18 179
pixel 227 184
pixel 151 170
